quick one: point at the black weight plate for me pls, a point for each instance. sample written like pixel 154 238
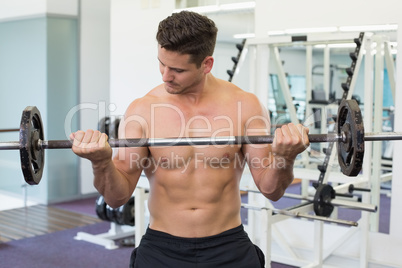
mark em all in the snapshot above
pixel 125 214
pixel 111 214
pixel 104 125
pixel 100 208
pixel 31 154
pixel 119 215
pixel 350 151
pixel 114 129
pixel 322 200
pixel 128 213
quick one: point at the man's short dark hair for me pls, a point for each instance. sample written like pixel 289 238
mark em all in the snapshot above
pixel 188 33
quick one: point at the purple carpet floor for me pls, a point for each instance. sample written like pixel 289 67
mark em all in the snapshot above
pixel 60 249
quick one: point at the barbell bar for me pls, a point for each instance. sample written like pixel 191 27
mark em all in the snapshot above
pixel 296 214
pixel 324 201
pixel 9 130
pixel 350 138
pixel 335 202
pixel 163 142
pixel 191 141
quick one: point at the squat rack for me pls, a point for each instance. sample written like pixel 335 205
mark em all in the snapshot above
pixel 262 48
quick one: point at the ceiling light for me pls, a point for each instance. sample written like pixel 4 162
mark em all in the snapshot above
pixel 243 6
pixel 276 33
pixel 368 28
pixel 244 35
pixel 311 30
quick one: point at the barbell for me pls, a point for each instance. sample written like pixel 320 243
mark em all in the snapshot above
pixel 9 130
pixel 350 138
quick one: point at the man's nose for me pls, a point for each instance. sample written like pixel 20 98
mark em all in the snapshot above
pixel 167 75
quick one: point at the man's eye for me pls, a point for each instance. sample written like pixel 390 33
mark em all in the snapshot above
pixel 179 71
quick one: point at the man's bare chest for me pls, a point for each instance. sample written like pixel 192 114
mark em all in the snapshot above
pixel 169 121
pixel 172 121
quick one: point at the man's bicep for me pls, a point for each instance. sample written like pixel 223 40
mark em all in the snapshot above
pixel 258 156
pixel 255 117
pixel 131 160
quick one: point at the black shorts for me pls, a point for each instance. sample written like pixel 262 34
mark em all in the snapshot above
pixel 232 248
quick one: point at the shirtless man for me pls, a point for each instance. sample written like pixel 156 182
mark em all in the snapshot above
pixel 194 199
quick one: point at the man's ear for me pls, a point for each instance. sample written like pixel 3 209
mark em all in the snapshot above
pixel 208 64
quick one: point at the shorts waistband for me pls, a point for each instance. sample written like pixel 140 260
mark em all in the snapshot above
pixel 154 234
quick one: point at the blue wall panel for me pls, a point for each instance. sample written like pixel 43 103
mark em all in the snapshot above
pixel 39 67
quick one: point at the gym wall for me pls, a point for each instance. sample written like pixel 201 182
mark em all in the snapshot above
pixel 38 67
pixel 50 50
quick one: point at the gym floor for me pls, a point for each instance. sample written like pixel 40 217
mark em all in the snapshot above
pixel 44 235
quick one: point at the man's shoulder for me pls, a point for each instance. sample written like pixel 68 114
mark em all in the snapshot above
pixel 142 105
pixel 232 89
pixel 250 103
pixel 243 95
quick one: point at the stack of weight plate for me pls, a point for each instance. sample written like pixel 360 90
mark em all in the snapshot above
pixel 123 215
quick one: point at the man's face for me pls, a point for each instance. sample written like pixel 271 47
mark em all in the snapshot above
pixel 180 76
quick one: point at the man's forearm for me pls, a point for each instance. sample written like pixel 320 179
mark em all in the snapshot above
pixel 111 183
pixel 276 178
